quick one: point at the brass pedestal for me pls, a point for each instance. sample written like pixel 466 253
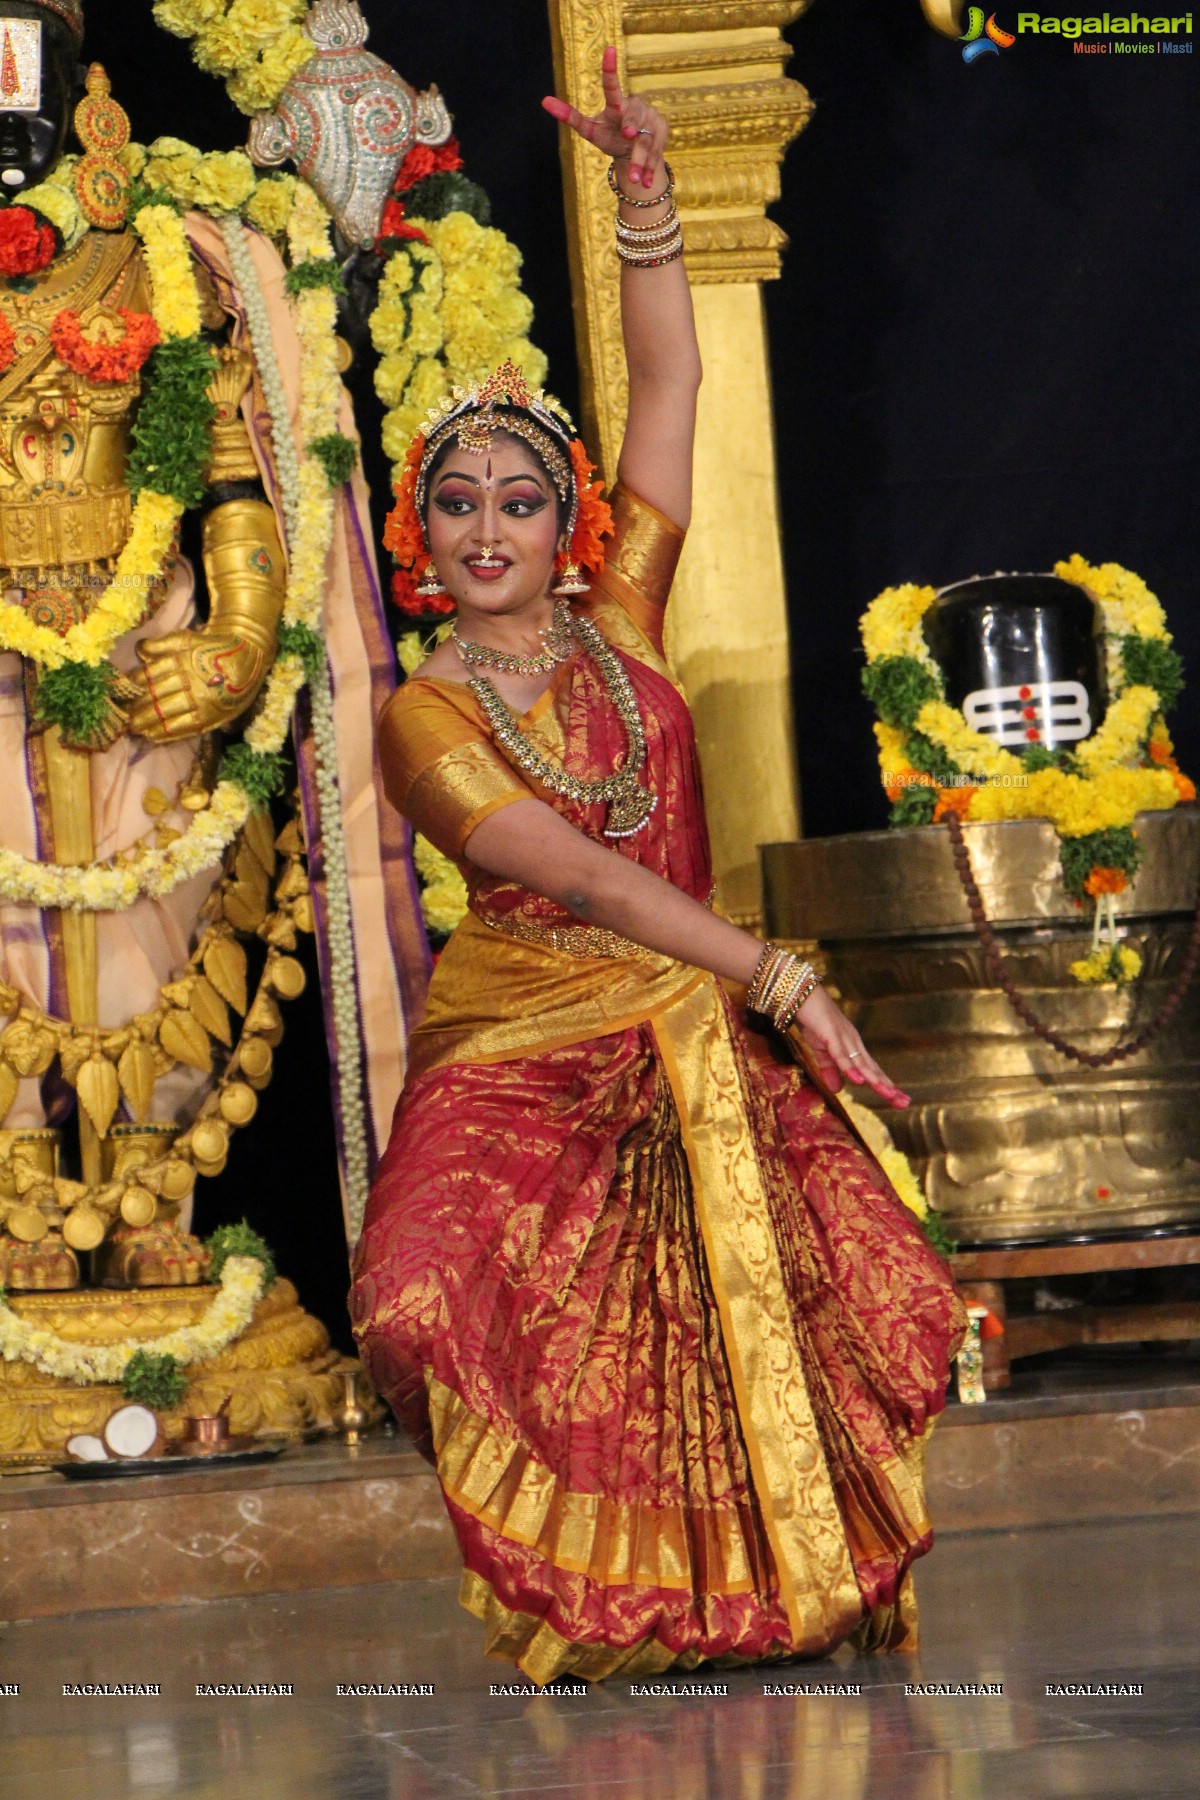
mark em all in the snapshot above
pixel 1015 1143
pixel 283 1375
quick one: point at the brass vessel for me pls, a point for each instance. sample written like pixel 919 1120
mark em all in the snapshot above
pixel 1015 1143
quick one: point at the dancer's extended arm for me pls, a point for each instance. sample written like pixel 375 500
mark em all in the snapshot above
pixel 661 352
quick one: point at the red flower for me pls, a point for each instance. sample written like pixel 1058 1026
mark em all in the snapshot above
pixel 422 161
pixel 25 245
pixel 394 224
pixel 1033 734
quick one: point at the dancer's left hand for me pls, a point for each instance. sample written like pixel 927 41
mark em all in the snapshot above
pixel 628 129
pixel 840 1052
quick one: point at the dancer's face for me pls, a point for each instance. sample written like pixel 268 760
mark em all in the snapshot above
pixel 493 528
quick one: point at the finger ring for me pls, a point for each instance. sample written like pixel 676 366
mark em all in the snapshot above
pixel 856 1056
pixel 645 131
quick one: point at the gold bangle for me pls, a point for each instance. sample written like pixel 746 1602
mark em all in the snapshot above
pixel 658 199
pixel 640 233
pixel 769 958
pixel 808 986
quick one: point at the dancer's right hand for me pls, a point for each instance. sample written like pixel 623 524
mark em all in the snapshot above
pixel 840 1052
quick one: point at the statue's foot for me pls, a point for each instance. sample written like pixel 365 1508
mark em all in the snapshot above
pixel 48 1267
pixel 155 1256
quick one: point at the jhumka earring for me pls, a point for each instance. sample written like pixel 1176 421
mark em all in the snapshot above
pixel 430 584
pixel 571 581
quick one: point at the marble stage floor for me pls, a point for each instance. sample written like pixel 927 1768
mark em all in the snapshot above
pixel 1108 1603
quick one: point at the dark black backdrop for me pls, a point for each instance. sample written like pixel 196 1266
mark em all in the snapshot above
pixel 984 357
pixel 983 341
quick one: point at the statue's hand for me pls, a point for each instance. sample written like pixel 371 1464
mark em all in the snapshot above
pixel 195 681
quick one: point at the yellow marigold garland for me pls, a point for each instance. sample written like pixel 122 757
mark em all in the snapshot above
pixel 155 871
pixel 1125 767
pixel 256 45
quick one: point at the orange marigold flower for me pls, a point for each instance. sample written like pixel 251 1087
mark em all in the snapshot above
pixel 403 533
pixel 101 358
pixel 953 800
pixel 1185 787
pixel 1105 881
pixel 8 343
pixel 594 519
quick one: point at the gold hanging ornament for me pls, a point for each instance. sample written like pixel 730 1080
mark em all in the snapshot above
pixel 101 181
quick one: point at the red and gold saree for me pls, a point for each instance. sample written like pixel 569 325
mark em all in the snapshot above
pixel 659 1321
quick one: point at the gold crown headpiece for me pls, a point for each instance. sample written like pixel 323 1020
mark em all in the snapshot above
pixel 475 414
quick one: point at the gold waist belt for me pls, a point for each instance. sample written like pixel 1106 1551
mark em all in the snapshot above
pixel 575 940
pixel 58 531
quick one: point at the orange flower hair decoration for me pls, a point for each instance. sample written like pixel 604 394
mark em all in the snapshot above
pixel 471 415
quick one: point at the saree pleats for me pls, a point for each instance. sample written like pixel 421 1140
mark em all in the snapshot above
pixel 670 1342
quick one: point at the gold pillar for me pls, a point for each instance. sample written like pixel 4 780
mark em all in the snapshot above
pixel 716 70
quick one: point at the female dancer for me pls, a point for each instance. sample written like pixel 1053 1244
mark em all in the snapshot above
pixel 667 1334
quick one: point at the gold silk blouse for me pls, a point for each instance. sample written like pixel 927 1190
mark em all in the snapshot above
pixel 497 991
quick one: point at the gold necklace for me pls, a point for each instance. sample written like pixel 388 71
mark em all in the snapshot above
pixel 559 645
pixel 629 803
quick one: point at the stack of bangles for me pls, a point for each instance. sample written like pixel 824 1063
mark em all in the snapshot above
pixel 780 985
pixel 649 246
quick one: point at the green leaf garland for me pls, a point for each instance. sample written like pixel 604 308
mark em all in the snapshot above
pixel 239 1240
pixel 76 698
pixel 337 455
pixel 171 436
pixel 153 1381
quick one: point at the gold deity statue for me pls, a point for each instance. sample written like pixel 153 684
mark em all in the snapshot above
pixel 122 1073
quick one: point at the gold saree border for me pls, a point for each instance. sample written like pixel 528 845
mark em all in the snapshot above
pixel 495 1479
pixel 545 1655
pixel 541 999
pixel 795 1490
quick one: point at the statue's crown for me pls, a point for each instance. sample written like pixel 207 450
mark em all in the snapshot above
pixel 69 11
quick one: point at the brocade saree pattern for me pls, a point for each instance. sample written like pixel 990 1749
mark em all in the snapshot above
pixel 670 1339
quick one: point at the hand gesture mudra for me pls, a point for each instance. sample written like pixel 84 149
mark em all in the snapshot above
pixel 839 1051
pixel 629 130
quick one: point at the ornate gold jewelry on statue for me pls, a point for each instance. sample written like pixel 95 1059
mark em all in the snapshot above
pixel 430 584
pixel 780 985
pixel 630 804
pixel 558 638
pixel 668 192
pixel 101 181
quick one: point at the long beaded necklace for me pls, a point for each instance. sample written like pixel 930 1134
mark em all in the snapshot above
pixel 629 803
pixel 557 638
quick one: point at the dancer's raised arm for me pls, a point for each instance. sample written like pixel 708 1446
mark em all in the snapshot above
pixel 656 303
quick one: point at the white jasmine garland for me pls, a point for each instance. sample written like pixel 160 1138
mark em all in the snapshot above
pixel 312 501
pixel 225 1319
